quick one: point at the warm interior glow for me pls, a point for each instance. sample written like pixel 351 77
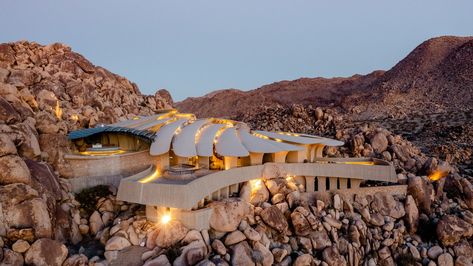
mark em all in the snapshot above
pixel 102 152
pixel 165 218
pixel 74 117
pixel 150 178
pixel 438 174
pixel 58 110
pixel 136 118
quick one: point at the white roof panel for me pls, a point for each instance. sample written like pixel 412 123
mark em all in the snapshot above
pixel 256 144
pixel 229 144
pixel 184 143
pixel 152 123
pixel 300 138
pixel 163 138
pixel 205 143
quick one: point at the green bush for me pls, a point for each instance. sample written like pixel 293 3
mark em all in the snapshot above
pixel 88 197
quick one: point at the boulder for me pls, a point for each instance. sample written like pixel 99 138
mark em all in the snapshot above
pixel 420 189
pixel 76 260
pixel 95 223
pixel 23 207
pixel 379 142
pixel 412 214
pixel 445 260
pixel 234 237
pixel 385 204
pixel 320 239
pixel 304 260
pixel 241 254
pixel 192 254
pixel 300 223
pixel 332 257
pixel 227 214
pixel 434 252
pixel 46 252
pixel 255 194
pixel 159 261
pixel 273 217
pixel 11 257
pixel 219 247
pixel 117 243
pixel 6 146
pixel 268 258
pixel 170 233
pixel 20 246
pixel 13 170
pixel 451 229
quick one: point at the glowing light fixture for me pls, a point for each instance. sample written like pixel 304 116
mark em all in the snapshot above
pixel 150 178
pixel 165 218
pixel 438 174
pixel 58 110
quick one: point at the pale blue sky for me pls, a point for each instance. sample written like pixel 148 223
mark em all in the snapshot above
pixel 194 47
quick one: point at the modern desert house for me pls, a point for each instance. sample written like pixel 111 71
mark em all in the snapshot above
pixel 174 163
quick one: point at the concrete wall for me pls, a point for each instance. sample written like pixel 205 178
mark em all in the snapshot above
pixel 89 171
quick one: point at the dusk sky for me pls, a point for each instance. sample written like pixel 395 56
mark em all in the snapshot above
pixel 194 47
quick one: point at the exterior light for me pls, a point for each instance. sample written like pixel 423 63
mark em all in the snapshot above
pixel 165 218
pixel 58 111
pixel 150 178
pixel 74 117
pixel 438 174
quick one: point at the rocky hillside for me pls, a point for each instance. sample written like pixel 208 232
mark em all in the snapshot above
pixel 46 91
pixel 436 76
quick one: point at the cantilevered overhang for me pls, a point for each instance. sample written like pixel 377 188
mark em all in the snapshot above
pixel 260 145
pixel 300 138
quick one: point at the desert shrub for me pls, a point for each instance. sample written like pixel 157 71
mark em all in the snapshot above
pixel 88 197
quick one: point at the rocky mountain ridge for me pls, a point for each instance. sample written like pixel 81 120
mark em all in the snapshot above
pixel 436 76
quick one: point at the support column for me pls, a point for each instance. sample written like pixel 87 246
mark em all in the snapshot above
pixel 343 183
pixel 355 183
pixel 296 156
pixel 162 162
pixel 224 192
pixel 310 183
pixel 333 183
pixel 321 183
pixel 256 158
pixel 203 162
pixel 318 151
pixel 279 157
pixel 230 162
pixel 234 188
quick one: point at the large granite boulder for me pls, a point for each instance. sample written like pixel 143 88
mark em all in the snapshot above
pixel 46 252
pixel 227 214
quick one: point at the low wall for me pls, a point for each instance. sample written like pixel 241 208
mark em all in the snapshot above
pixel 89 171
pixel 187 195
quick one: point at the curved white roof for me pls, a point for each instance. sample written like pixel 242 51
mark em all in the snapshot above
pixel 184 143
pixel 205 142
pixel 229 144
pixel 203 137
pixel 162 141
pixel 260 145
pixel 152 123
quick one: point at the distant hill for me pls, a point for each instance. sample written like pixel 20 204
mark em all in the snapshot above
pixel 436 76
